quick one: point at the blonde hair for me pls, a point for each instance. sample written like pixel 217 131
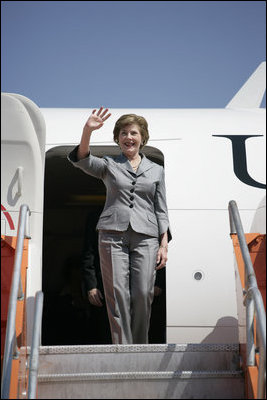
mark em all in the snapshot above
pixel 129 119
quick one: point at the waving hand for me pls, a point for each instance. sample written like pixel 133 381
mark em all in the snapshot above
pixel 96 120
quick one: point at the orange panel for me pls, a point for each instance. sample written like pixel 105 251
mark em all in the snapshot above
pixel 8 246
pixel 13 394
pixel 252 382
pixel 257 249
pixel 7 262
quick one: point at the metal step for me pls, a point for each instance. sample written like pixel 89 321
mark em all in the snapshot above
pixel 140 371
pixel 143 385
pixel 126 358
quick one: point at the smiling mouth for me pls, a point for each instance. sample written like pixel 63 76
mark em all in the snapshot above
pixel 129 145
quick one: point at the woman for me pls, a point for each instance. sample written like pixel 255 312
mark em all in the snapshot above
pixel 133 227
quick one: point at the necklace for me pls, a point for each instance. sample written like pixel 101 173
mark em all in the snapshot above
pixel 136 165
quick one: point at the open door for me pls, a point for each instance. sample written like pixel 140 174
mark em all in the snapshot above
pixel 73 202
pixel 22 182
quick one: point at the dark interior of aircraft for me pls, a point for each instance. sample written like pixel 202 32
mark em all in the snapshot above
pixel 72 200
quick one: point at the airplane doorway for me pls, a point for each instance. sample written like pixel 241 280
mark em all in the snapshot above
pixel 71 199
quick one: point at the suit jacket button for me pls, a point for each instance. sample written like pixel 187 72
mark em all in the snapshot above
pixel 131 205
pixel 131 198
pixel 133 182
pixel 132 190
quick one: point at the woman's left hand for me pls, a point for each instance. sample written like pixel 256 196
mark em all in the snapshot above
pixel 162 258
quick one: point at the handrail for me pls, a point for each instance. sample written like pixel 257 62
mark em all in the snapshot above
pixel 34 357
pixel 11 350
pixel 253 301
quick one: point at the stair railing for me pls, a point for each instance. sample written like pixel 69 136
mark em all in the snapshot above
pixel 36 341
pixel 16 293
pixel 253 302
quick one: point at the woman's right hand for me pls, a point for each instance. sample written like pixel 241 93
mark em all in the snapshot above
pixel 96 120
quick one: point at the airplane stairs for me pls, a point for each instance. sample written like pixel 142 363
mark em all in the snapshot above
pixel 210 371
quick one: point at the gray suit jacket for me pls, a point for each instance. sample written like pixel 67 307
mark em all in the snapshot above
pixel 136 198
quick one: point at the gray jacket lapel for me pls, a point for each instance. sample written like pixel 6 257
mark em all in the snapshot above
pixel 123 162
pixel 145 165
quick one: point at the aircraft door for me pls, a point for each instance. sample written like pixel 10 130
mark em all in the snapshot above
pixel 22 182
pixel 22 161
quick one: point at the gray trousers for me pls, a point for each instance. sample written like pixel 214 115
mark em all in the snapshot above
pixel 128 261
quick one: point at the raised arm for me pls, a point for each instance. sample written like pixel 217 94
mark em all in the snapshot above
pixel 94 122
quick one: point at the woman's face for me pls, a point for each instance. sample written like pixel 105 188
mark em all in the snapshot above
pixel 130 140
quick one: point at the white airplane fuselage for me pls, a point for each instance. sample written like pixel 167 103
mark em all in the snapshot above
pixel 200 181
pixel 210 156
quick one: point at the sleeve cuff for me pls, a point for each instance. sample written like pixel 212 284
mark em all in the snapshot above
pixel 73 155
pixel 164 227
